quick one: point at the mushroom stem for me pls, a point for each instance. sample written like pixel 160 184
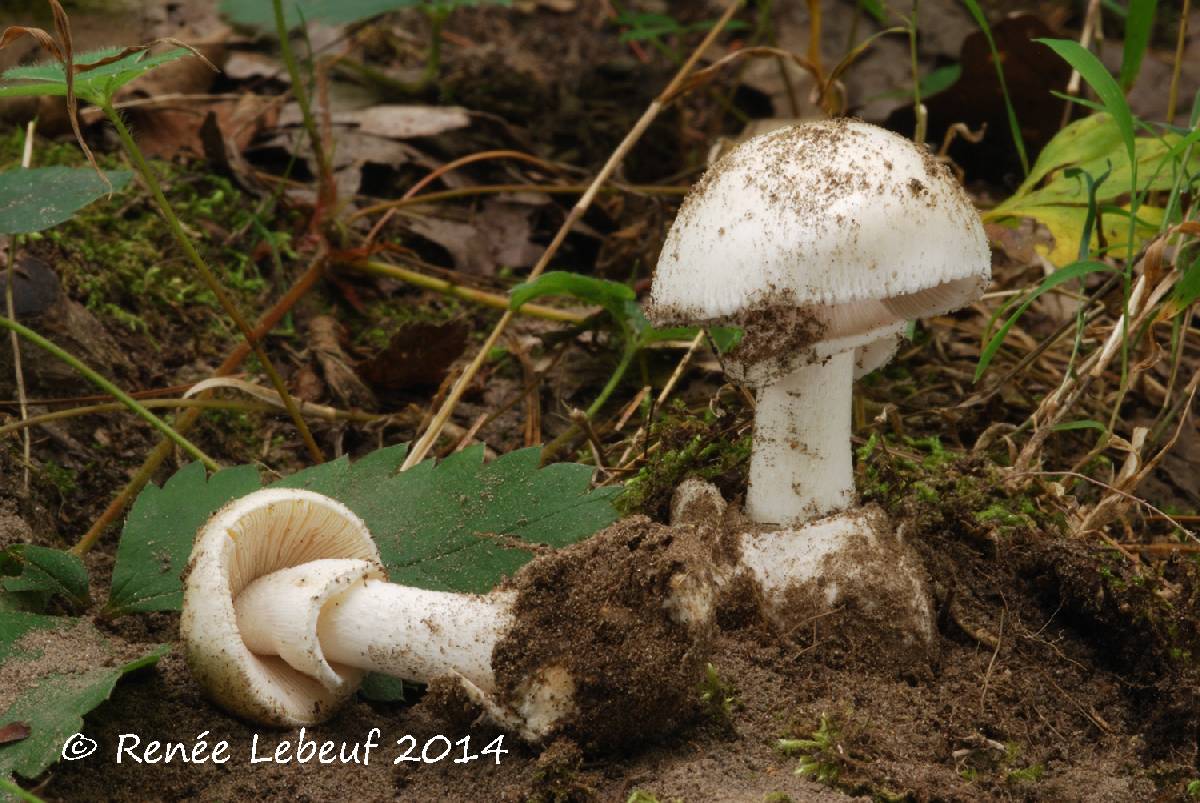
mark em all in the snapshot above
pixel 801 466
pixel 373 625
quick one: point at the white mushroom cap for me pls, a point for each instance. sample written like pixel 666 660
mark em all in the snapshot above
pixel 253 536
pixel 852 226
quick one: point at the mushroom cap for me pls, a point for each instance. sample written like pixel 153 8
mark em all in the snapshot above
pixel 255 535
pixel 829 232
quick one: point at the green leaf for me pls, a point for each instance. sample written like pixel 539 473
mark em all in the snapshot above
pixel 96 86
pixel 41 197
pixel 1085 423
pixel 940 79
pixel 54 702
pixel 1185 293
pixel 158 534
pixel 49 571
pixel 457 525
pixel 1073 271
pixel 1086 139
pixel 261 14
pixel 14 625
pixel 875 9
pixel 477 524
pixel 1139 24
pixel 1088 66
pixel 612 296
pixel 1014 127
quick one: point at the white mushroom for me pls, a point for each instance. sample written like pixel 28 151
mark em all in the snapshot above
pixel 820 240
pixel 286 605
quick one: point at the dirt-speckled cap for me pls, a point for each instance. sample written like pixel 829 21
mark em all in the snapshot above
pixel 843 218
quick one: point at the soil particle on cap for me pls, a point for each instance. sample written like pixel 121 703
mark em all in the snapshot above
pixel 598 610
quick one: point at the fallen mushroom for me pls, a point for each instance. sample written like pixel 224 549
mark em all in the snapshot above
pixel 820 240
pixel 286 605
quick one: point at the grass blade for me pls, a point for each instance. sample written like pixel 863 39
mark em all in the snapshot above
pixel 1073 271
pixel 1014 127
pixel 1138 26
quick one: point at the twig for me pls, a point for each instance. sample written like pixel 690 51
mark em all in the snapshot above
pixel 316 411
pixel 10 311
pixel 498 189
pixel 494 300
pixel 425 442
pixel 987 676
pixel 1173 92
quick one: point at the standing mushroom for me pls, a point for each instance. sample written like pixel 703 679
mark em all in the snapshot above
pixel 286 605
pixel 820 241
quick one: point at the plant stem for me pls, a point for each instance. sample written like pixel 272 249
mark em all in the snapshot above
pixel 108 387
pixel 322 413
pixel 11 788
pixel 301 95
pixel 614 380
pixel 494 300
pixel 181 237
pixel 433 64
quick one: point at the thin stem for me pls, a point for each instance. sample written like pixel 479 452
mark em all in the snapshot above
pixel 493 300
pixel 613 381
pixel 496 189
pixel 433 64
pixel 108 387
pixel 181 237
pixel 26 448
pixel 301 95
pixel 10 311
pixel 1173 92
pixel 11 788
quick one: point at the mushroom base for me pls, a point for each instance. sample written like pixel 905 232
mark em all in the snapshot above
pixel 847 581
pixel 850 583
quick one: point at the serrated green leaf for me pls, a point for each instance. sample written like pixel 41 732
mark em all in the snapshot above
pixel 158 534
pixel 475 522
pixel 53 705
pixel 261 14
pixel 41 197
pixel 457 525
pixel 14 625
pixel 49 571
pixel 96 86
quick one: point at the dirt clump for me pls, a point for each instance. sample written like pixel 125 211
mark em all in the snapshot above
pixel 608 612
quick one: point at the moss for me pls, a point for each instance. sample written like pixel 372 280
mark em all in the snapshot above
pixel 700 444
pixel 919 480
pixel 120 260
